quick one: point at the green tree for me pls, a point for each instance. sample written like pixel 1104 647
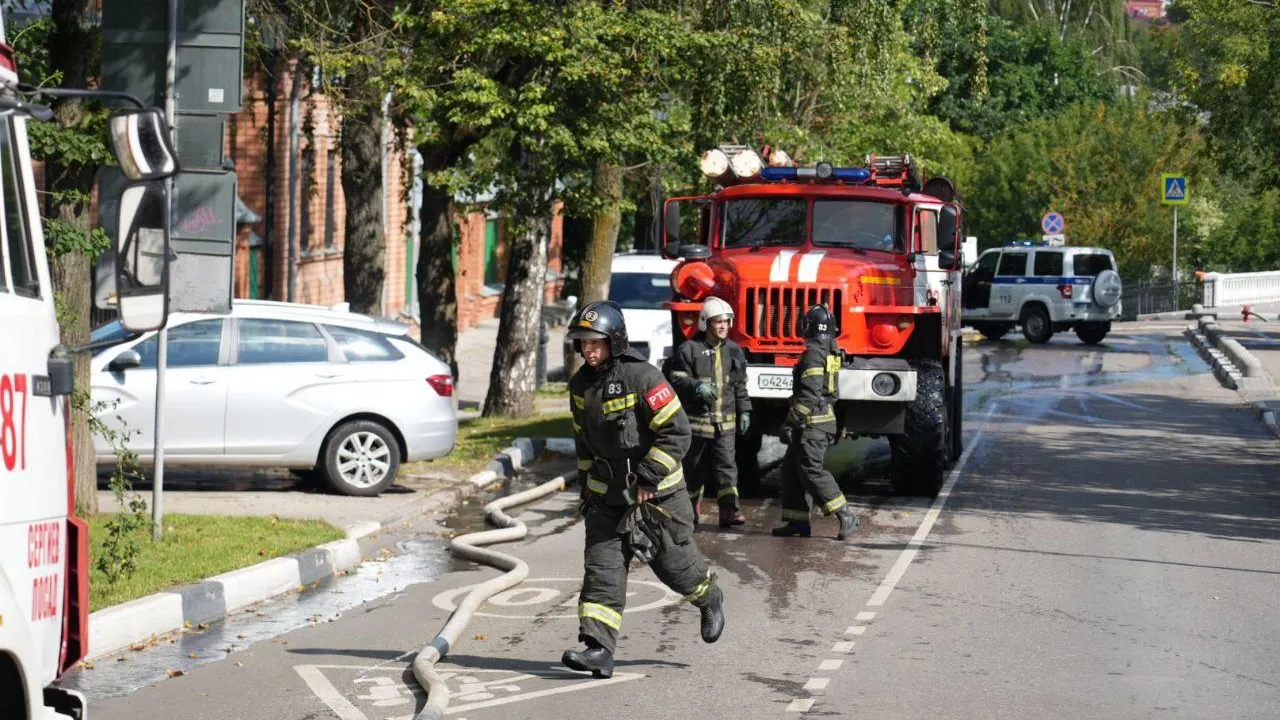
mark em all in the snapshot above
pixel 1099 165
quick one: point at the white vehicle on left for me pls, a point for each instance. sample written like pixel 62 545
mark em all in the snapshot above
pixel 313 389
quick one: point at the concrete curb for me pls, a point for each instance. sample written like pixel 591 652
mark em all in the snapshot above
pixel 1268 418
pixel 140 621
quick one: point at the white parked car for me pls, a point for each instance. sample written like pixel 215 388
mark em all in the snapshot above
pixel 281 385
pixel 640 284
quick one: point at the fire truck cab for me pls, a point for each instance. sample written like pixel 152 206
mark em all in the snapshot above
pixel 879 247
pixel 44 547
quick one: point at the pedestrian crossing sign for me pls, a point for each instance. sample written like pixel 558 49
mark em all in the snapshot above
pixel 1174 188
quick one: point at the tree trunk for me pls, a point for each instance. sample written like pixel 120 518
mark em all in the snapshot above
pixel 364 254
pixel 513 381
pixel 597 264
pixel 437 286
pixel 365 249
pixel 72 33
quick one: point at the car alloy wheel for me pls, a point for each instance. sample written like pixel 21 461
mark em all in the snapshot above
pixel 363 459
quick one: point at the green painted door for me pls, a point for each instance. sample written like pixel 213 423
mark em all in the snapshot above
pixel 491 251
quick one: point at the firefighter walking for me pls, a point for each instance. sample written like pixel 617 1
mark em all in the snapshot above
pixel 709 373
pixel 809 429
pixel 631 434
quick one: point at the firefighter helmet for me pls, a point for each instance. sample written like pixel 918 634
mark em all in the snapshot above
pixel 819 322
pixel 601 319
pixel 713 308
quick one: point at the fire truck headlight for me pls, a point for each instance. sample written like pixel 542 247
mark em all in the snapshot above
pixel 747 164
pixel 884 384
pixel 714 163
pixel 884 335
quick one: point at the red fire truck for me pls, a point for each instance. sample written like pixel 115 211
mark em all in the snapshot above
pixel 44 558
pixel 880 246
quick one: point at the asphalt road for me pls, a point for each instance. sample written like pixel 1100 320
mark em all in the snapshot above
pixel 1108 546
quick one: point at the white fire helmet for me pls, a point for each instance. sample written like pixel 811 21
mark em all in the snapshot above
pixel 713 308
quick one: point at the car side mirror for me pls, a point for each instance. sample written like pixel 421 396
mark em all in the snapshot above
pixel 126 360
pixel 142 257
pixel 140 141
pixel 947 260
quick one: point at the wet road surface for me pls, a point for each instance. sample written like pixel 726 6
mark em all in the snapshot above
pixel 1107 547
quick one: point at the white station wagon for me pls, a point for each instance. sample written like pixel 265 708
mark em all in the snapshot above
pixel 304 387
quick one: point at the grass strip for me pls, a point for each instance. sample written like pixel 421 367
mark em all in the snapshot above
pixel 195 547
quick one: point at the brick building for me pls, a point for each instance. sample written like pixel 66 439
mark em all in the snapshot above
pixel 260 147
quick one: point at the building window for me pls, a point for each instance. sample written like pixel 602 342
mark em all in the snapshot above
pixel 330 219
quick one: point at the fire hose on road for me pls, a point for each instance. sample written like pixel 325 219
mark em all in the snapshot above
pixel 466 547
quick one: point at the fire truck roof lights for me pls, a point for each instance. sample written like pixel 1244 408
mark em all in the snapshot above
pixel 822 171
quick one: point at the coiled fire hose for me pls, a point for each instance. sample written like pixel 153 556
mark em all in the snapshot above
pixel 466 547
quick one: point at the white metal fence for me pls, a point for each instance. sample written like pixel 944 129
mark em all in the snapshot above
pixel 1225 289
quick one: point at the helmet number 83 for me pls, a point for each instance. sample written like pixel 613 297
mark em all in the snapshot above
pixel 13 421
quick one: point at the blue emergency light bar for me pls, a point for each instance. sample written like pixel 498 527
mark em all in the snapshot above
pixel 1026 243
pixel 823 171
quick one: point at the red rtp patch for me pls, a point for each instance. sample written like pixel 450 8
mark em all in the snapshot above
pixel 659 397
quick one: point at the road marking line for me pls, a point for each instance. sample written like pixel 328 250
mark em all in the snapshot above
pixel 865 616
pixel 855 629
pixel 800 705
pixel 842 647
pixel 816 684
pixel 913 547
pixel 830 664
pixel 328 694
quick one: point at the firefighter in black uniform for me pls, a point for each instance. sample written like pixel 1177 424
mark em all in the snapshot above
pixel 809 429
pixel 709 372
pixel 631 434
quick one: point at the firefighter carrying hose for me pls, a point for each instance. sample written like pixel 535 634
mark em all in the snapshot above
pixel 709 372
pixel 809 429
pixel 631 433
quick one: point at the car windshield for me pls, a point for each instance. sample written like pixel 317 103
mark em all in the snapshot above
pixel 1091 264
pixel 751 222
pixel 113 333
pixel 640 291
pixel 863 224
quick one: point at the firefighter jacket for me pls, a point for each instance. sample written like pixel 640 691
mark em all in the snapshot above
pixel 813 386
pixel 629 428
pixel 724 366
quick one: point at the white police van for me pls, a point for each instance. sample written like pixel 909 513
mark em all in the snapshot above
pixel 1043 288
pixel 44 560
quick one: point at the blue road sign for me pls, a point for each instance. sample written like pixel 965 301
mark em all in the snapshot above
pixel 1053 223
pixel 1174 189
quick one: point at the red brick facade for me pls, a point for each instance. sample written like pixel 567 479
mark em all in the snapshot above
pixel 321 211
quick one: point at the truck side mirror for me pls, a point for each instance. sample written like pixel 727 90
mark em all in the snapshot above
pixel 140 141
pixel 948 232
pixel 670 240
pixel 947 260
pixel 142 257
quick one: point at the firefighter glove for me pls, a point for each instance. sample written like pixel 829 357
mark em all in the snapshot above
pixel 707 392
pixel 744 423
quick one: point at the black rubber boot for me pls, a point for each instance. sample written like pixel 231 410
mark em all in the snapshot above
pixel 730 517
pixel 713 614
pixel 793 529
pixel 595 658
pixel 848 522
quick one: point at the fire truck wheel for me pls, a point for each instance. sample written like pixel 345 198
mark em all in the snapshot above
pixel 1035 324
pixel 919 455
pixel 956 408
pixel 360 458
pixel 1092 333
pixel 747 450
pixel 994 331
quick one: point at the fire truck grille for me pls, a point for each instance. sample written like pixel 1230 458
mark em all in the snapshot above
pixel 774 314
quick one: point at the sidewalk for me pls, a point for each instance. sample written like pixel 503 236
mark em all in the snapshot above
pixel 1245 355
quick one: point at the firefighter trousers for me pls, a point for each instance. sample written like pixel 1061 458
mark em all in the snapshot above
pixel 803 474
pixel 711 468
pixel 680 566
